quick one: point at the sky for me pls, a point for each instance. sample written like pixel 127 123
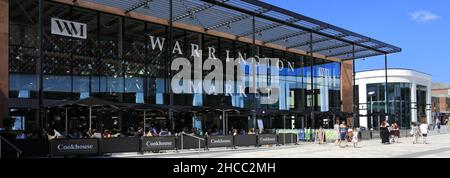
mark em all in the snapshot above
pixel 420 27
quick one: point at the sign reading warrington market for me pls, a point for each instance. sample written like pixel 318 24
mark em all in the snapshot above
pixel 260 74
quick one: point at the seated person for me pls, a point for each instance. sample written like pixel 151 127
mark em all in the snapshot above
pixel 56 135
pixel 251 131
pixel 96 134
pixel 149 134
pixel 106 134
pixel 164 132
pixel 21 136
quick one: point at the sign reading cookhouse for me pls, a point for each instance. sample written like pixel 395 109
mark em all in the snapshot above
pixel 220 141
pixel 158 143
pixel 73 147
pixel 266 139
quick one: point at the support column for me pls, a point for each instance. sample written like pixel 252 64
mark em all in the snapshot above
pixel 254 53
pixel 39 66
pixel 355 122
pixel 386 105
pixel 313 103
pixel 430 119
pixel 414 102
pixel 4 66
pixel 364 104
pixel 170 59
pixel 346 86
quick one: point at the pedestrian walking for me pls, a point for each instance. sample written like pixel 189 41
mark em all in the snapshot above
pixel 343 134
pixel 355 139
pixel 438 125
pixel 415 132
pixel 395 132
pixel 424 131
pixel 336 133
pixel 384 133
pixel 320 135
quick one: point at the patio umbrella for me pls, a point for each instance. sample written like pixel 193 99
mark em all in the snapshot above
pixel 90 102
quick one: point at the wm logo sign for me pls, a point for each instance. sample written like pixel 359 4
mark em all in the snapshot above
pixel 69 28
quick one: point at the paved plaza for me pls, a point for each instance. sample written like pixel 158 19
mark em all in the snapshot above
pixel 438 147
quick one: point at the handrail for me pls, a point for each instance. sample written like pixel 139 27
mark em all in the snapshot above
pixel 11 145
pixel 193 136
pixel 198 138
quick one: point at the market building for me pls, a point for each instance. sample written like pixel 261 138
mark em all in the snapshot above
pixel 55 55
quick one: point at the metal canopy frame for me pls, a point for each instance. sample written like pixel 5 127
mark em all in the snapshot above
pixel 272 25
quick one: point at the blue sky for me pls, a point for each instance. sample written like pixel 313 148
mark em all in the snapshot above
pixel 420 27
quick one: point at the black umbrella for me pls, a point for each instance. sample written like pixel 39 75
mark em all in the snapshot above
pixel 87 102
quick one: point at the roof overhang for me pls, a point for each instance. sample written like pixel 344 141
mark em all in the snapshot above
pixel 274 27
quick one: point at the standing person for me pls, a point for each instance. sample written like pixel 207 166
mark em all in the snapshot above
pixel 320 135
pixel 336 133
pixel 424 130
pixel 438 125
pixel 415 132
pixel 343 133
pixel 395 132
pixel 384 133
pixel 355 137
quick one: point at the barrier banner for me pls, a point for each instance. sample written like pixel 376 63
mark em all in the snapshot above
pixel 302 135
pixel 267 139
pixel 330 135
pixel 158 143
pixel 245 140
pixel 220 141
pixel 74 147
pixel 119 145
pixel 286 138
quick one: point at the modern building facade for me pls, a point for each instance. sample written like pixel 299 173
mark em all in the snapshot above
pixel 121 51
pixel 441 101
pixel 409 96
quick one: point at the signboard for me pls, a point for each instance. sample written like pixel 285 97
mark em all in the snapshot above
pixel 260 124
pixel 68 28
pixel 158 143
pixel 73 147
pixel 267 139
pixel 325 76
pixel 198 123
pixel 220 141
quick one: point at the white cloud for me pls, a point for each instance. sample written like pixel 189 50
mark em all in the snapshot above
pixel 423 16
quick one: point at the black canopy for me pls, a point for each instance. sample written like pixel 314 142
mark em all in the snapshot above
pixel 87 102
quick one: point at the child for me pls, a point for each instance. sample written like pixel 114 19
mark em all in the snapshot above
pixel 355 137
pixel 395 132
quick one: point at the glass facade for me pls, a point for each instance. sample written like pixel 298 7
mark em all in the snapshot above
pixel 399 107
pixel 421 104
pixel 122 60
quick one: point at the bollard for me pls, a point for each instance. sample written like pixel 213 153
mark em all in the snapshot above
pixel 182 142
pixel 199 146
pixel 292 138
